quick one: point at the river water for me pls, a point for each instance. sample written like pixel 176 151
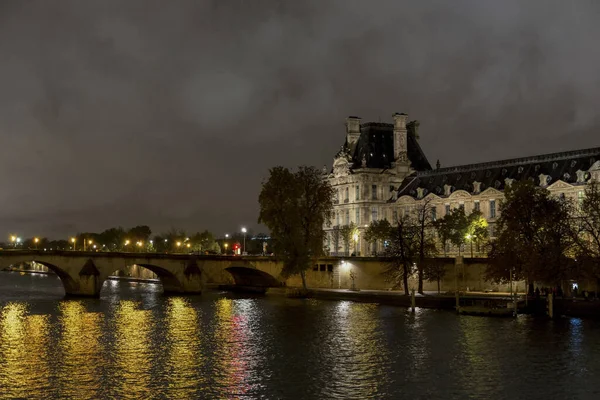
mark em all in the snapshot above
pixel 135 343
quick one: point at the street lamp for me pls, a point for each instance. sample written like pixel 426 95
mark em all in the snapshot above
pixel 126 243
pixel 178 244
pixel 73 240
pixel 13 239
pixel 469 237
pixel 36 241
pixel 244 248
pixel 225 248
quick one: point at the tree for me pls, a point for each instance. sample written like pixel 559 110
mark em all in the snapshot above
pixel 425 238
pixel 587 234
pixel 139 233
pixel 403 250
pixel 443 228
pixel 380 230
pixel 295 206
pixel 347 233
pixel 112 238
pixel 435 270
pixel 535 239
pixel 477 229
pixel 336 238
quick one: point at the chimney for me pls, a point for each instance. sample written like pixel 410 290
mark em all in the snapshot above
pixel 352 129
pixel 399 135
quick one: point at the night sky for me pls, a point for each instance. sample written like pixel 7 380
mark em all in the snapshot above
pixel 169 113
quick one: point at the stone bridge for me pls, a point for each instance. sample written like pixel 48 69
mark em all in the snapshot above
pixel 83 273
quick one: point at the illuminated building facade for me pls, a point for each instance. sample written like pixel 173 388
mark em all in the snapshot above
pixel 381 172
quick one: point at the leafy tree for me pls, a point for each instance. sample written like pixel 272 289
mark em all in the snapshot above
pixel 380 230
pixel 587 234
pixel 403 250
pixel 347 233
pixel 295 206
pixel 477 229
pixel 443 227
pixel 112 238
pixel 139 233
pixel 535 239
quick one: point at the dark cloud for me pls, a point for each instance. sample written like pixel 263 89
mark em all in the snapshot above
pixel 170 113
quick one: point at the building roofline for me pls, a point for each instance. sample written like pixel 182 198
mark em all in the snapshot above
pixel 512 161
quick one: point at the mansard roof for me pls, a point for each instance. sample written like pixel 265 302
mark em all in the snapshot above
pixel 557 166
pixel 376 145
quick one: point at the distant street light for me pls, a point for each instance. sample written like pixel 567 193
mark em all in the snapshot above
pixel 244 247
pixel 73 240
pixel 36 241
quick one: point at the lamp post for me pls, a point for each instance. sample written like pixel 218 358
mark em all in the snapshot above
pixel 469 237
pixel 36 241
pixel 244 247
pixel 126 244
pixel 73 240
pixel 14 240
pixel 225 243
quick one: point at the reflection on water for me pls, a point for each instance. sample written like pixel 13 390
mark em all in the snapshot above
pixel 23 351
pixel 136 343
pixel 184 349
pixel 78 376
pixel 133 354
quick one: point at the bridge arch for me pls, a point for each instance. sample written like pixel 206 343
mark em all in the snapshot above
pixel 69 284
pixel 249 277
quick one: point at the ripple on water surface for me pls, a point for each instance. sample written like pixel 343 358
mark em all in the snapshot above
pixel 134 343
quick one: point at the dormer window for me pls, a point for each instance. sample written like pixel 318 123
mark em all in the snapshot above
pixel 497 184
pixel 543 180
pixel 504 171
pixel 447 190
pixel 573 163
pixel 520 170
pixel 554 165
pixel 566 176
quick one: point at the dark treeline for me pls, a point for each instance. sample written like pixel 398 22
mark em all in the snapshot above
pixel 141 239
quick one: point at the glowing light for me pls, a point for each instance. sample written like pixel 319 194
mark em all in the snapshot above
pixel 178 244
pixel 188 245
pixel 244 230
pixel 73 240
pixel 36 240
pixel 13 238
pixel 90 241
pixel 127 242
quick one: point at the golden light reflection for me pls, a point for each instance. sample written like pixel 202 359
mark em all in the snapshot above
pixel 230 356
pixel 185 354
pixel 81 352
pixel 133 353
pixel 23 351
